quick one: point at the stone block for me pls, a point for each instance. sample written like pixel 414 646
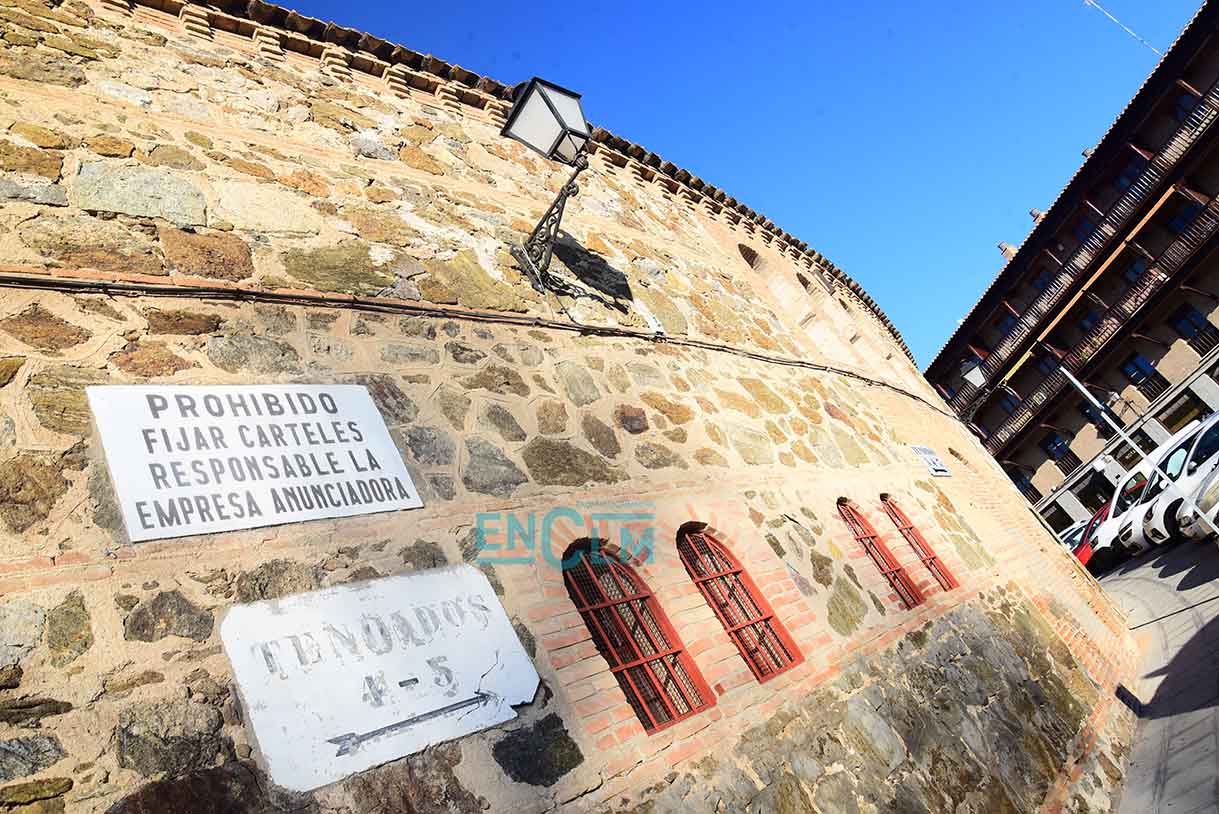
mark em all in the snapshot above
pixel 17 187
pixel 82 241
pixel 141 191
pixel 39 328
pixel 26 755
pixel 255 207
pixel 30 160
pixel 21 626
pixel 169 613
pixel 489 471
pixel 349 266
pixel 30 486
pixel 219 255
pixel 69 630
pixel 170 737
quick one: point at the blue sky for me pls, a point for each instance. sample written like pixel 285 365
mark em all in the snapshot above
pixel 903 140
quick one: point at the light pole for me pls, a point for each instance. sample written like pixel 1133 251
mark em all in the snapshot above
pixel 549 120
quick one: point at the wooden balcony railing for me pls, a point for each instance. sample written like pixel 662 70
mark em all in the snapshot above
pixel 1119 314
pixel 1119 215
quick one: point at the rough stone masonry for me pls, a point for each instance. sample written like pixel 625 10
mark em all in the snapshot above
pixel 236 194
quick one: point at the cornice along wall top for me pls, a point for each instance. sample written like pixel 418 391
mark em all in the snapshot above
pixel 362 52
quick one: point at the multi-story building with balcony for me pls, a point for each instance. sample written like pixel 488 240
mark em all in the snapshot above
pixel 1117 284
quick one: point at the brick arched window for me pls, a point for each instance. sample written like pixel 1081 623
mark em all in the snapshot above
pixel 747 617
pixel 889 567
pixel 920 545
pixel 632 632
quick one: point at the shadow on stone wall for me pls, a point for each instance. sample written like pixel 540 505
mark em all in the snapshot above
pixel 975 712
pixel 598 280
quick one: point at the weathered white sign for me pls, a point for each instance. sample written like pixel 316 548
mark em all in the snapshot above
pixel 935 465
pixel 341 680
pixel 197 460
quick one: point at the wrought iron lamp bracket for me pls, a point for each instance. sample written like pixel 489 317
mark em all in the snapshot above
pixel 535 253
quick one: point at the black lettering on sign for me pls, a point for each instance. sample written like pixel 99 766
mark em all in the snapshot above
pixel 342 636
pixel 156 404
pixel 442 676
pixel 377 637
pixel 375 689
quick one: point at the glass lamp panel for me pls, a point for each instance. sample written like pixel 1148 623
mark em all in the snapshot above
pixel 534 124
pixel 568 147
pixel 568 107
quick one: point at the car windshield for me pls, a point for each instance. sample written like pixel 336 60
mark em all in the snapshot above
pixel 1098 518
pixel 1072 537
pixel 1169 470
pixel 1158 482
pixel 1174 463
pixel 1208 445
pixel 1130 491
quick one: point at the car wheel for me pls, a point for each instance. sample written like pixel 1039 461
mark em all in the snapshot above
pixel 1174 528
pixel 1102 560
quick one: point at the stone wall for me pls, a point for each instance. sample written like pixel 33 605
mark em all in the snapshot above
pixel 182 203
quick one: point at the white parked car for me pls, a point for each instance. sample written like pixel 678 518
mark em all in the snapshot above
pixel 1128 499
pixel 1192 526
pixel 1125 497
pixel 1130 535
pixel 1071 535
pixel 1188 467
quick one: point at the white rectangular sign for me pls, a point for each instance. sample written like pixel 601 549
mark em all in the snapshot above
pixel 202 459
pixel 935 464
pixel 341 680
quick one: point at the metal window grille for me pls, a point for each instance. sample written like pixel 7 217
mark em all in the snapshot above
pixel 1143 375
pixel 914 537
pixel 1097 418
pixel 1031 493
pixel 1066 461
pixel 1153 386
pixel 747 617
pixel 631 631
pixel 889 567
pixel 1205 339
pixel 1195 328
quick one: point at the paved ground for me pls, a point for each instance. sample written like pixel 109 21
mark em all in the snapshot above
pixel 1173 600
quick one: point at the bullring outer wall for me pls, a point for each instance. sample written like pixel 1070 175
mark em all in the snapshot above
pixel 194 196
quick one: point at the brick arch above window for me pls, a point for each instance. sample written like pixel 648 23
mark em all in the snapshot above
pixel 747 617
pixel 918 542
pixel 633 634
pixel 892 570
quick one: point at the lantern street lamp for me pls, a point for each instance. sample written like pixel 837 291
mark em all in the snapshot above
pixel 549 120
pixel 971 372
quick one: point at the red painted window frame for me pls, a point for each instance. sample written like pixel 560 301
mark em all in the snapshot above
pixel 749 620
pixel 648 659
pixel 931 561
pixel 893 571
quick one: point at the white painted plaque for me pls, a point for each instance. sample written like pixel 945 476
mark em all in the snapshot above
pixel 341 680
pixel 935 464
pixel 203 459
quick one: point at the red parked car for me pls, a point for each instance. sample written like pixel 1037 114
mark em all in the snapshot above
pixel 1083 549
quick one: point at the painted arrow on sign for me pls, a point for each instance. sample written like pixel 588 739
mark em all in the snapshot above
pixel 351 742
